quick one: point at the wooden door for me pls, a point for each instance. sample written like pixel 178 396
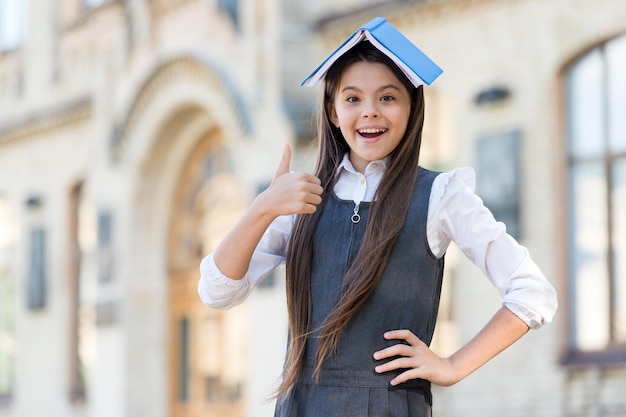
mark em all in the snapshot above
pixel 205 361
pixel 207 348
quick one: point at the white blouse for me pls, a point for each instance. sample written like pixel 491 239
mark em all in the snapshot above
pixel 455 213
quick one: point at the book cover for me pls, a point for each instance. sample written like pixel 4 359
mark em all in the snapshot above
pixel 385 37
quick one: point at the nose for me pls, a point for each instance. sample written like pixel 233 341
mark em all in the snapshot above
pixel 370 111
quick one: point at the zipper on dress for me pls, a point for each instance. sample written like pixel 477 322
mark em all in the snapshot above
pixel 356 217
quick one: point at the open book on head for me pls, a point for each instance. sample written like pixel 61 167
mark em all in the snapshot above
pixel 385 37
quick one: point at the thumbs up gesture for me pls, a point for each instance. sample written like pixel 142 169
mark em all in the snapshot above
pixel 289 193
pixel 292 192
pixel 284 167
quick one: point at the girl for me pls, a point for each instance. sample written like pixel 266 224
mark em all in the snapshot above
pixel 364 241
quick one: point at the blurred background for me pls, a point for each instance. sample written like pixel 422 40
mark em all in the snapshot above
pixel 133 133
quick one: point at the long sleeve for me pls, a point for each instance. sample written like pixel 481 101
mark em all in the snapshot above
pixel 457 214
pixel 221 292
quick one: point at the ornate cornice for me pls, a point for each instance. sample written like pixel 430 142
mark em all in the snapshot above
pixel 46 119
pixel 400 11
pixel 161 7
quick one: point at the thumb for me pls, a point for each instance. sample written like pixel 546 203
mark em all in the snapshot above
pixel 285 162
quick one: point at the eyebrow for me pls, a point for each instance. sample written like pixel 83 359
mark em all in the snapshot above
pixel 382 88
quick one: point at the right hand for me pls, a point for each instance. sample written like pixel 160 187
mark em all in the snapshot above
pixel 291 192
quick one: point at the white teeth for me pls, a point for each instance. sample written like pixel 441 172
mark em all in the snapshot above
pixel 372 130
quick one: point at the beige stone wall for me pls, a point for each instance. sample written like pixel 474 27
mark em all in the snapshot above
pixel 116 98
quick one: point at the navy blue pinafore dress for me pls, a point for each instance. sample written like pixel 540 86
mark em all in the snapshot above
pixel 407 297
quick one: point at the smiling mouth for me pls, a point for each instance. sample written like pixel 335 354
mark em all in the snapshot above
pixel 371 133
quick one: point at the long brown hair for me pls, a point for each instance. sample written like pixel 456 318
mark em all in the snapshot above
pixel 386 217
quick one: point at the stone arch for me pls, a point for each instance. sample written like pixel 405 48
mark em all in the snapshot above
pixel 195 78
pixel 183 110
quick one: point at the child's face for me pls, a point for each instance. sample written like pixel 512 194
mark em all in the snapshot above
pixel 372 109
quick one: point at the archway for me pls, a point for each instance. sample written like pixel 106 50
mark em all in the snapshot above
pixel 207 356
pixel 177 139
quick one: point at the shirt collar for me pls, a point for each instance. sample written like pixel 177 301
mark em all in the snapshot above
pixel 347 165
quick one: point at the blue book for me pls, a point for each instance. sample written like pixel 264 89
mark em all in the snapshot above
pixel 385 37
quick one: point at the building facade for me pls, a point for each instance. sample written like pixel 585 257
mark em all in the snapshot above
pixel 134 133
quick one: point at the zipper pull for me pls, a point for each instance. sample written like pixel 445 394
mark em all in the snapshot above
pixel 356 217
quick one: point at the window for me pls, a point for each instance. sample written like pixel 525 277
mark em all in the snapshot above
pixel 596 138
pixel 13 18
pixel 231 7
pixel 499 154
pixel 183 387
pixel 105 245
pixel 8 248
pixel 77 327
pixel 37 270
pixel 95 3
